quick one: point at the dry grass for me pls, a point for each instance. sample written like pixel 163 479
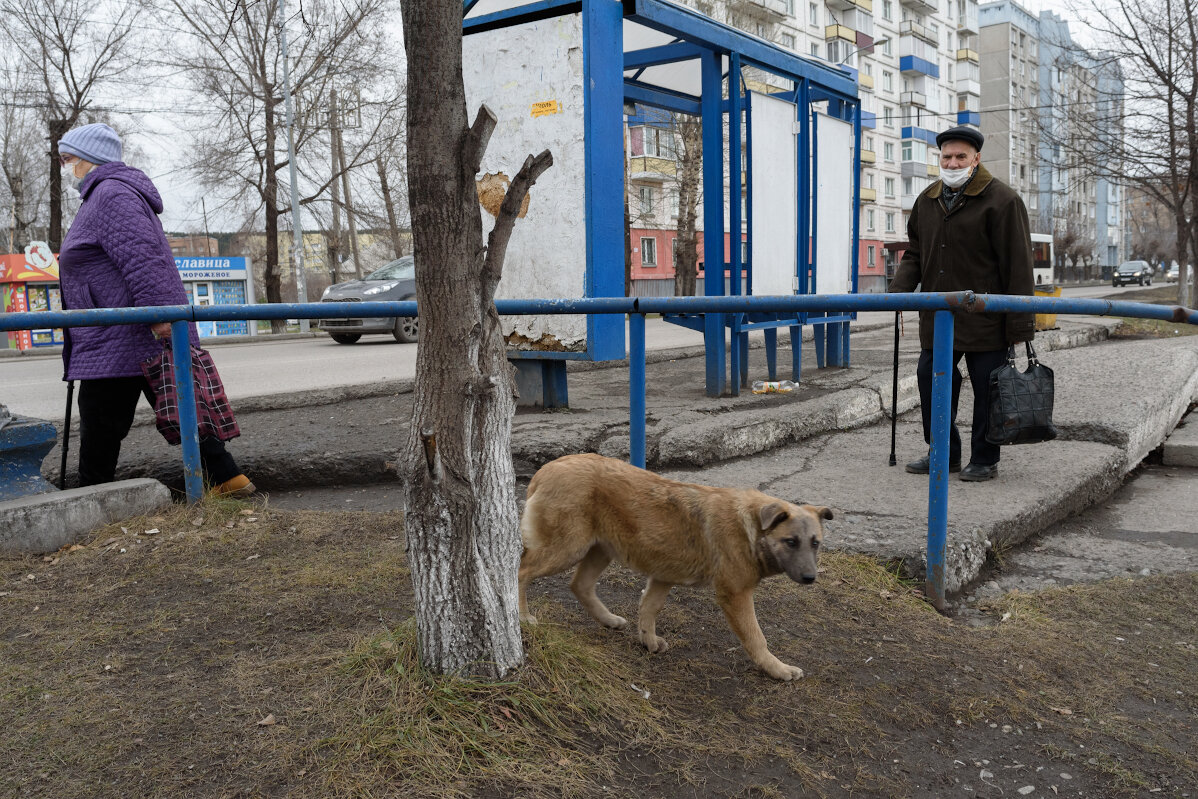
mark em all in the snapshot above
pixel 146 673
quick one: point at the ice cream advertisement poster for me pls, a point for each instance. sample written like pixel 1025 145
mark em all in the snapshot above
pixel 37 264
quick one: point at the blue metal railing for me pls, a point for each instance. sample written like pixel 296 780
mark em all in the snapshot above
pixel 945 305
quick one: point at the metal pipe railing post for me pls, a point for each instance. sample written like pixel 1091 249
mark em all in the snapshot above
pixel 636 389
pixel 942 407
pixel 193 475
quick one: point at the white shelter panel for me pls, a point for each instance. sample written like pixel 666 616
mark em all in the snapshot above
pixel 775 223
pixel 531 76
pixel 834 205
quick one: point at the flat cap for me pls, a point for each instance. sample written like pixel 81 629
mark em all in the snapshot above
pixel 965 133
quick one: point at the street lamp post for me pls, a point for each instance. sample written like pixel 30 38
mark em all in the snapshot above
pixel 301 285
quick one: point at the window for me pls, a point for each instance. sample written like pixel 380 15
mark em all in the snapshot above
pixel 888 116
pixel 888 151
pixel 870 255
pixel 813 15
pixel 787 41
pixel 790 8
pixel 673 200
pixel 646 200
pixel 869 143
pixel 889 184
pixel 887 11
pixel 886 49
pixel 890 222
pixel 815 49
pixel 869 219
pixel 888 80
pixel 659 142
pixel 907 185
pixel 869 180
pixel 648 252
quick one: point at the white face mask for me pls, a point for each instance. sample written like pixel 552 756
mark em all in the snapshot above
pixel 955 178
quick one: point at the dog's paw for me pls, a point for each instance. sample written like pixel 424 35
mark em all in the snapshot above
pixel 655 644
pixel 528 619
pixel 781 671
pixel 614 622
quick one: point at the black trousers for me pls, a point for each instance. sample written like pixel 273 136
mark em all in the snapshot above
pixel 980 365
pixel 106 407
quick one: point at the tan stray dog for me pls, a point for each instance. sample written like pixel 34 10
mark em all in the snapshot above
pixel 590 510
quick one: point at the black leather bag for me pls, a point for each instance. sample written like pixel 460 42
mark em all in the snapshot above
pixel 1021 402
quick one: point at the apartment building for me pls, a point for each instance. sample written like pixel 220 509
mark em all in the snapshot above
pixel 1041 95
pixel 917 64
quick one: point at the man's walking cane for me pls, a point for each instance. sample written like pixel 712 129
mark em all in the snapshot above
pixel 894 389
pixel 66 436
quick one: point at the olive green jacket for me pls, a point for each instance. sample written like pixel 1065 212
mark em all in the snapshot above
pixel 984 245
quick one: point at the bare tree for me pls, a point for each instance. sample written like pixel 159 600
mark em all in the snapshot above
pixel 234 57
pixel 1154 46
pixel 25 186
pixel 70 48
pixel 463 542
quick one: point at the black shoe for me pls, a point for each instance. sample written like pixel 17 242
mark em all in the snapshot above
pixel 978 472
pixel 924 465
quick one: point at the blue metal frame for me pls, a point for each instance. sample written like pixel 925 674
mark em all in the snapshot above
pixel 713 218
pixel 945 305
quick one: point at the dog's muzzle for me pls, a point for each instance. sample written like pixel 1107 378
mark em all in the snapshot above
pixel 808 578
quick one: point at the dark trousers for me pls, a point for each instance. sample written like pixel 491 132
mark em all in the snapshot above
pixel 106 409
pixel 980 365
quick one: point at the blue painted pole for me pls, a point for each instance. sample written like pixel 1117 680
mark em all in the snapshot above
pixel 713 220
pixel 636 390
pixel 193 475
pixel 942 390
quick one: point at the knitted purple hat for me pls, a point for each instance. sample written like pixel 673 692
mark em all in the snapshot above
pixel 96 143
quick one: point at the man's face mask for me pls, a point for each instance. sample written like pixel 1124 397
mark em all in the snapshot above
pixel 955 178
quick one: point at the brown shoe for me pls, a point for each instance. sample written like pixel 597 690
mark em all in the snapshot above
pixel 239 487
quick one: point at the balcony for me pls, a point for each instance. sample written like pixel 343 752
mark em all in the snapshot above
pixel 865 81
pixel 921 6
pixel 869 157
pixel 969 86
pixel 846 5
pixel 933 170
pixel 969 118
pixel 916 169
pixel 908 201
pixel 832 32
pixel 965 54
pixel 914 98
pixel 914 65
pixel 869 120
pixel 909 28
pixel 967 22
pixel 869 195
pixel 774 9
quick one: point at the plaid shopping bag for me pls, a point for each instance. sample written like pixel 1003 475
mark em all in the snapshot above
pixel 213 413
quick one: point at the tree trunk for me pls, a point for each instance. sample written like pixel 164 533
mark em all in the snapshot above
pixel 686 250
pixel 58 129
pixel 271 278
pixel 385 188
pixel 334 244
pixel 349 205
pixel 461 518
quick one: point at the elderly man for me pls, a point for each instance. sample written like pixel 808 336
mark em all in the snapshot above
pixel 967 231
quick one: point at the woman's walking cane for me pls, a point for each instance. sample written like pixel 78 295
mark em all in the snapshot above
pixel 66 436
pixel 894 389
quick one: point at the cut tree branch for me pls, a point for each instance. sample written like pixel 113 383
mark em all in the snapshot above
pixel 509 210
pixel 477 139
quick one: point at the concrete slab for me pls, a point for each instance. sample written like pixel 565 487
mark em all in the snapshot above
pixel 46 522
pixel 1181 447
pixel 1129 394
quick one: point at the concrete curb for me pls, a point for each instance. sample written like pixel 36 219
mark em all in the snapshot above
pixel 47 522
pixel 1181 447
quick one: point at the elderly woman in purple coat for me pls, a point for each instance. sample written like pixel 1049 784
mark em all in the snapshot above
pixel 116 256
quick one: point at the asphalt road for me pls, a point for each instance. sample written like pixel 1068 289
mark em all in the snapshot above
pixel 32 386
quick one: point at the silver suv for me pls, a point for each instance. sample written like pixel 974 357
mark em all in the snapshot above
pixel 1132 272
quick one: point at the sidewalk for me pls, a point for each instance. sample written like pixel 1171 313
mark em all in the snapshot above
pixel 827 442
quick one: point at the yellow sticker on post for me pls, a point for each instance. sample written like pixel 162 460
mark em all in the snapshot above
pixel 546 108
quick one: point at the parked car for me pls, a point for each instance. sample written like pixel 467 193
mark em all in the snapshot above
pixel 1172 274
pixel 395 281
pixel 1132 272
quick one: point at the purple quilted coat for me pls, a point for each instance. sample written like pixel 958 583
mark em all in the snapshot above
pixel 116 256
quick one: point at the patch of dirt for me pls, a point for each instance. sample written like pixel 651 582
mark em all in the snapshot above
pixel 152 665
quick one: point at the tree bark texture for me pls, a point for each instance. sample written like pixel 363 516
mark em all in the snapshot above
pixel 461 517
pixel 271 279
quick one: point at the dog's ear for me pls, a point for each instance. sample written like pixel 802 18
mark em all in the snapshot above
pixel 822 512
pixel 771 514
